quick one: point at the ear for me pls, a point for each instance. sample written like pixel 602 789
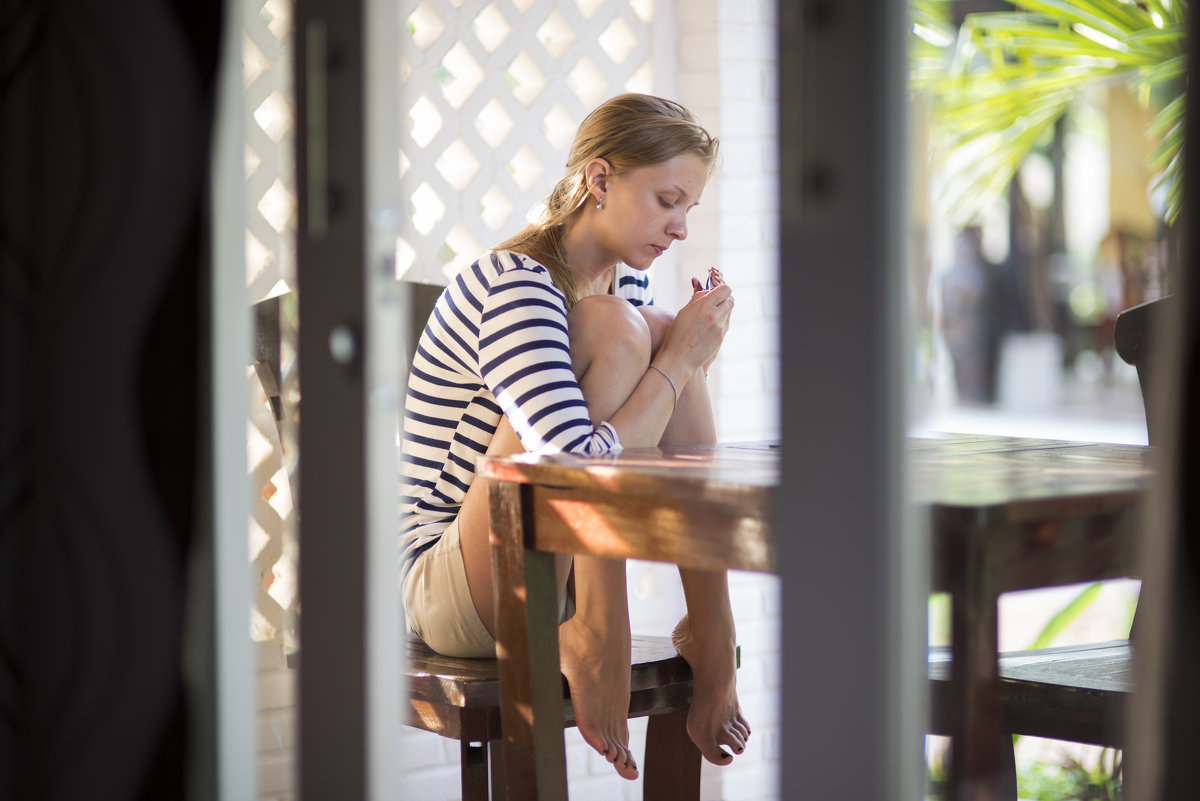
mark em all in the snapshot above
pixel 597 173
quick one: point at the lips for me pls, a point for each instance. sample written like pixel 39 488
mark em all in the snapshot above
pixel 659 251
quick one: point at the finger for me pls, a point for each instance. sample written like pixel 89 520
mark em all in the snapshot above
pixel 720 293
pixel 726 304
pixel 696 287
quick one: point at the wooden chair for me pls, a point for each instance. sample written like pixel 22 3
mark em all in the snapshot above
pixel 1077 693
pixel 1132 336
pixel 460 698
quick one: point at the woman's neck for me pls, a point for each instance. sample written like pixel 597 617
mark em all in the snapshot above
pixel 591 261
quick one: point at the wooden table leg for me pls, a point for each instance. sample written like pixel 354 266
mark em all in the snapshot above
pixel 974 767
pixel 672 765
pixel 531 683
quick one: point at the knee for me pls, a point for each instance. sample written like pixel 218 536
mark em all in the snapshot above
pixel 606 323
pixel 658 321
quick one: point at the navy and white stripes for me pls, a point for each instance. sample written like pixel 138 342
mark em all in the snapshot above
pixel 495 344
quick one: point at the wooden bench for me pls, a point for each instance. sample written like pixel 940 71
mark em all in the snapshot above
pixel 1077 692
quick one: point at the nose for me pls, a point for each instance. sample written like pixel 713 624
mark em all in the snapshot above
pixel 677 227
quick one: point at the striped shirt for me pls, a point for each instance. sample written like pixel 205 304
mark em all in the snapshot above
pixel 495 344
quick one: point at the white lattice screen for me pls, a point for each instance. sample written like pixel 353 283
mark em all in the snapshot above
pixel 493 91
pixel 269 125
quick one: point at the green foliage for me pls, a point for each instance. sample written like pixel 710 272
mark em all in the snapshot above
pixel 1065 616
pixel 1066 780
pixel 1071 780
pixel 998 86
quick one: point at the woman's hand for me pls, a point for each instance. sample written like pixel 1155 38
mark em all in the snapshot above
pixel 715 279
pixel 700 326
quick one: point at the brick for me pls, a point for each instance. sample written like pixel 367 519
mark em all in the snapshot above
pixel 270 735
pixel 740 373
pixel 696 49
pixel 754 780
pixel 757 267
pixel 748 43
pixel 697 85
pixel 749 155
pixel 440 784
pixel 748 337
pixel 747 419
pixel 750 118
pixel 423 751
pixel 696 15
pixel 703 231
pixel 731 12
pixel 748 81
pixel 268 654
pixel 599 787
pixel 712 782
pixel 751 194
pixel 747 231
pixel 276 689
pixel 577 761
pixel 773 670
pixel 276 774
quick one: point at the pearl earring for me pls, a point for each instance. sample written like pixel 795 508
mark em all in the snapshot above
pixel 599 205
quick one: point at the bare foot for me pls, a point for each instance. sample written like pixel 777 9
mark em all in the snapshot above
pixel 715 718
pixel 597 670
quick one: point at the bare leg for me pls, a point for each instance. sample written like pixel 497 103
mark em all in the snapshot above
pixel 705 637
pixel 610 351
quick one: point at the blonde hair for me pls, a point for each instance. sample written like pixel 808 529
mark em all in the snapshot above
pixel 628 131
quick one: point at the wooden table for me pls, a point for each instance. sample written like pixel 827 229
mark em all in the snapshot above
pixel 1009 514
pixel 1005 514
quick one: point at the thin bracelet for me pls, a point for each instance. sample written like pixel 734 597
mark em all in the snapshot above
pixel 669 381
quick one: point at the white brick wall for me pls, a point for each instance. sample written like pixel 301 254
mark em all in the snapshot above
pixel 276 685
pixel 730 44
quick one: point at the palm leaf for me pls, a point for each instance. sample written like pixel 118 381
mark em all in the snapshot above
pixel 1012 75
pixel 1066 615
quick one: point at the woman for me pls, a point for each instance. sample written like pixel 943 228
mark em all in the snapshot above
pixel 549 343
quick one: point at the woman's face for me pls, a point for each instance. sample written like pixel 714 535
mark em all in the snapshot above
pixel 645 208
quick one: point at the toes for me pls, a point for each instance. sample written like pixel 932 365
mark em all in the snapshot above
pixel 712 751
pixel 622 760
pixel 733 738
pixel 597 741
pixel 627 770
pixel 718 756
pixel 615 753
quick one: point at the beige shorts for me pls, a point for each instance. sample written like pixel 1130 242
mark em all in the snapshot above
pixel 438 605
